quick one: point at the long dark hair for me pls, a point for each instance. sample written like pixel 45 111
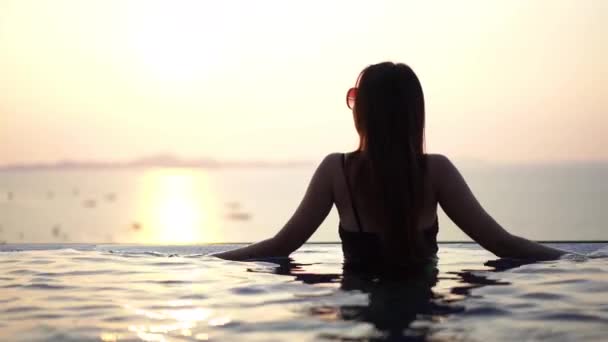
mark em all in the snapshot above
pixel 389 116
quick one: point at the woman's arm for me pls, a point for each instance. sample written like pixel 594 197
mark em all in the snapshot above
pixel 311 212
pixel 459 203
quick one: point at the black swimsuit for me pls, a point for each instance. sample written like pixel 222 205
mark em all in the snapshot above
pixel 362 250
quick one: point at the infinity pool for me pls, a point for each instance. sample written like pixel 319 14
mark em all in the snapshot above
pixel 177 293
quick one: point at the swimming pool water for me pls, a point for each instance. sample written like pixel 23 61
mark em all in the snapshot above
pixel 177 293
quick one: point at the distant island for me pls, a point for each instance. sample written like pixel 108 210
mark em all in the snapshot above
pixel 160 160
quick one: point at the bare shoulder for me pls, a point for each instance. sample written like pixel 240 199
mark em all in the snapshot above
pixel 440 169
pixel 331 162
pixel 332 158
pixel 329 165
pixel 438 164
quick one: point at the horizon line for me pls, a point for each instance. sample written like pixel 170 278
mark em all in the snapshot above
pixel 173 161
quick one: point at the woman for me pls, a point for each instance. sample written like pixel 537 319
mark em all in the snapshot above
pixel 387 191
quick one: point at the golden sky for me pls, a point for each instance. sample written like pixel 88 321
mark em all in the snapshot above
pixel 118 79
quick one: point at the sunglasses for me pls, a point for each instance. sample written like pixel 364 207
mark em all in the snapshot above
pixel 351 96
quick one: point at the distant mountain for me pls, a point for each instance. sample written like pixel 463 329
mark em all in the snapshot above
pixel 168 160
pixel 159 160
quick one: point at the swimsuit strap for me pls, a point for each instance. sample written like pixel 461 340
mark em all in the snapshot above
pixel 352 199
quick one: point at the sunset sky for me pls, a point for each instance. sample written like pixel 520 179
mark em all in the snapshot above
pixel 114 80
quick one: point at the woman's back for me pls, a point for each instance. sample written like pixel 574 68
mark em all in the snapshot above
pixel 346 194
pixel 361 223
pixel 387 191
pixel 444 185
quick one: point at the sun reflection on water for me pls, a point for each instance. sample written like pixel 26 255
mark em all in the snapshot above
pixel 173 322
pixel 177 206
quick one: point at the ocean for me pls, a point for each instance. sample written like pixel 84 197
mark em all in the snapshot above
pixel 121 255
pixel 549 202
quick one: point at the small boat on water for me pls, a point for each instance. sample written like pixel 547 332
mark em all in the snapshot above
pixel 238 216
pixel 136 226
pixel 90 203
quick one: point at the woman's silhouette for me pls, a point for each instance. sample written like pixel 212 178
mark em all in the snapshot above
pixel 387 191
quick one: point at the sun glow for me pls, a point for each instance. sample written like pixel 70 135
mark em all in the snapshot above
pixel 178 207
pixel 175 41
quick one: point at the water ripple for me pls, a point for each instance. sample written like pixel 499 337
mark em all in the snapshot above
pixel 44 286
pixel 177 293
pixel 20 309
pixel 572 316
pixel 543 296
